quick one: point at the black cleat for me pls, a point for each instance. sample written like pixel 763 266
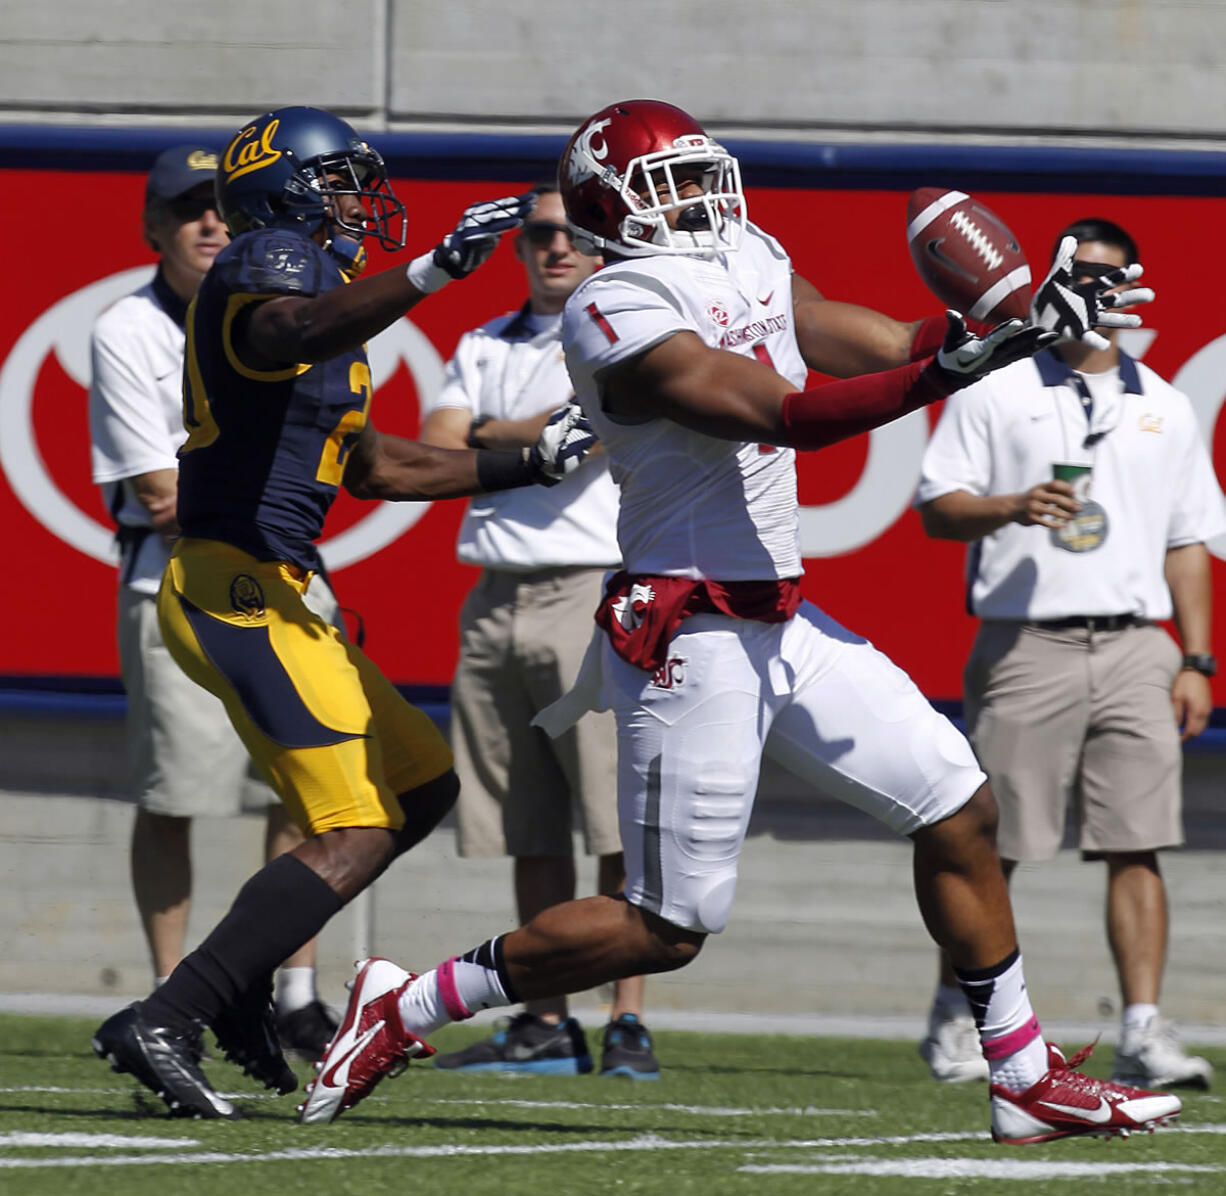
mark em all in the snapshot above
pixel 306 1032
pixel 247 1036
pixel 162 1059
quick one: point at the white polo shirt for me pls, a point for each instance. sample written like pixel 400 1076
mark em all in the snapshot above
pixel 1151 474
pixel 136 416
pixel 512 368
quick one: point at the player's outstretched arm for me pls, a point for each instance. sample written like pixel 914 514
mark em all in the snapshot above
pixel 393 469
pixel 293 328
pixel 737 398
pixel 844 339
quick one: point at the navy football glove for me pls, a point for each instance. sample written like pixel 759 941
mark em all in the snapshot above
pixel 565 440
pixel 463 249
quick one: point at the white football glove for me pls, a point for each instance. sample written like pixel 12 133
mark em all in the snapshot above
pixel 1072 310
pixel 565 440
pixel 968 357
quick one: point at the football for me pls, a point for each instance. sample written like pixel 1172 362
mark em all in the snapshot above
pixel 967 256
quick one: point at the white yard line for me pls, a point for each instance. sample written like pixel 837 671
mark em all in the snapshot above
pixel 1019 1169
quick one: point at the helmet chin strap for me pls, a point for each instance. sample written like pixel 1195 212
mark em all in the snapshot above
pixel 349 254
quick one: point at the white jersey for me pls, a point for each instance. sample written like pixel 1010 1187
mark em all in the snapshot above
pixel 693 505
pixel 512 368
pixel 136 414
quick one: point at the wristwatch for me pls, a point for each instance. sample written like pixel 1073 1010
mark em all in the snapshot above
pixel 1201 662
pixel 472 440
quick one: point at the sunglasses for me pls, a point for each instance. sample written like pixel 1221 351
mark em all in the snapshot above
pixel 542 232
pixel 191 207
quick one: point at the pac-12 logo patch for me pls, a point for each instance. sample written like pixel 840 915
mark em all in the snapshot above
pixel 246 596
pixel 718 313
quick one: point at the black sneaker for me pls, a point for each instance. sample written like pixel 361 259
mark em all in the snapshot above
pixel 306 1032
pixel 528 1045
pixel 162 1059
pixel 627 1050
pixel 247 1036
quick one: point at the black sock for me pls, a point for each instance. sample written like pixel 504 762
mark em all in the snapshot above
pixel 281 907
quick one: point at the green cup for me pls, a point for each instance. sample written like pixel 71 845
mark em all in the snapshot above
pixel 1078 476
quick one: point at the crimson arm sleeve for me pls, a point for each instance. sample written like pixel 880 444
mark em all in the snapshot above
pixel 930 335
pixel 834 411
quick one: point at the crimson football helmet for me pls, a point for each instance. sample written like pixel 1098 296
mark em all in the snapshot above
pixel 627 168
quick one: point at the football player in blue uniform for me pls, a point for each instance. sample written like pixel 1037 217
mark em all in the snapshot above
pixel 277 393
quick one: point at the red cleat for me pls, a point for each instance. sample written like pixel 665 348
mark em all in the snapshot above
pixel 370 1044
pixel 1067 1103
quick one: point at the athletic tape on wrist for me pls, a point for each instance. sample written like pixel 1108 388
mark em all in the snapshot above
pixel 425 275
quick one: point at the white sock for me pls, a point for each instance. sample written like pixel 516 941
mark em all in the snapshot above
pixel 295 988
pixel 1008 1028
pixel 452 992
pixel 1136 1017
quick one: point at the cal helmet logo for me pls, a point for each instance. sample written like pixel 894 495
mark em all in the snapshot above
pixel 201 160
pixel 589 152
pixel 246 596
pixel 251 149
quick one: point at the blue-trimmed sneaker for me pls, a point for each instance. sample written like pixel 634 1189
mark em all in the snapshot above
pixel 527 1045
pixel 627 1050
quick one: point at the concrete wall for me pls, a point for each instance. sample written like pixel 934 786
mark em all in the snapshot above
pixel 1141 68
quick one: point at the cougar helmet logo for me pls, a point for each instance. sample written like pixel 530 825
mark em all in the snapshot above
pixel 587 156
pixel 642 177
pixel 251 150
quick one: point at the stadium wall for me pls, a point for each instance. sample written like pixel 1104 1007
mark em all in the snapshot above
pixel 1084 68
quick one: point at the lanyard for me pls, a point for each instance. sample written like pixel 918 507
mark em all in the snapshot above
pixel 1087 405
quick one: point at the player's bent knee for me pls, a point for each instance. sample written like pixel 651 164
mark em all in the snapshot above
pixel 971 826
pixel 425 807
pixel 348 858
pixel 673 946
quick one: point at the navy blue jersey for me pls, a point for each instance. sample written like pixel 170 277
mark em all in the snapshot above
pixel 265 448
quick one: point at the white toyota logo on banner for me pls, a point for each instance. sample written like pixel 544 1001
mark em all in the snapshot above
pixel 880 496
pixel 64 329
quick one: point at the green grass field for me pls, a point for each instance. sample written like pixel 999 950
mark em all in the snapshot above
pixel 731 1114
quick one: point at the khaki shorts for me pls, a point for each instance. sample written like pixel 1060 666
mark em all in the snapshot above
pixel 522 638
pixel 185 759
pixel 1055 714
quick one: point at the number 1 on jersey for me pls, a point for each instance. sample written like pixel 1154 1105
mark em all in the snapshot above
pixel 598 318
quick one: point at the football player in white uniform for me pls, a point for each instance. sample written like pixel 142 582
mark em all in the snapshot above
pixel 689 352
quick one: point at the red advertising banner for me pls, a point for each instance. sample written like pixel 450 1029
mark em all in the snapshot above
pixel 868 562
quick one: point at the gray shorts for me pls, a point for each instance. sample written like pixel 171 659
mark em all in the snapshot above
pixel 522 638
pixel 1055 714
pixel 184 758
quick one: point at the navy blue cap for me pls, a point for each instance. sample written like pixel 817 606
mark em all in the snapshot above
pixel 180 169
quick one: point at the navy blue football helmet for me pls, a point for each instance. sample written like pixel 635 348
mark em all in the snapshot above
pixel 280 170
